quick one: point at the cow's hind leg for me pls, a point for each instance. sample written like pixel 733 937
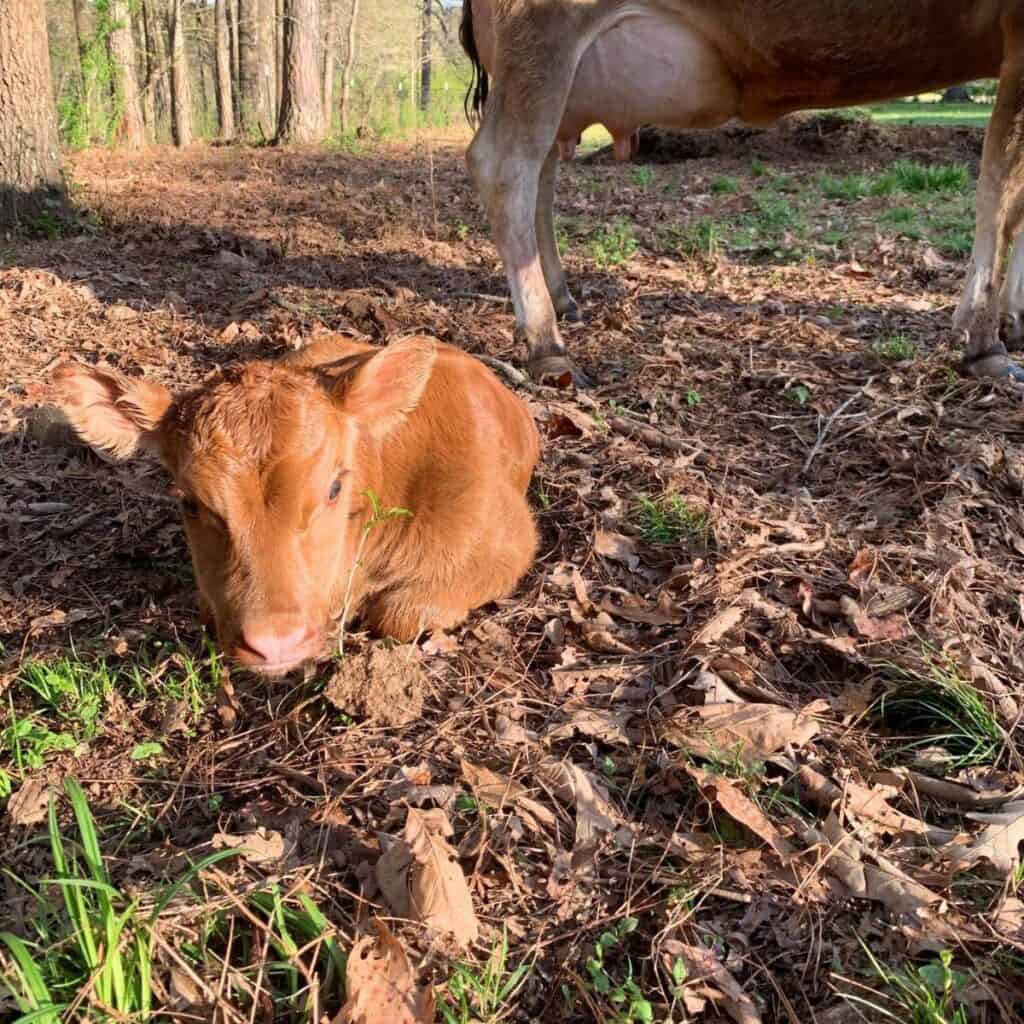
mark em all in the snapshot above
pixel 554 273
pixel 506 157
pixel 999 208
pixel 1013 300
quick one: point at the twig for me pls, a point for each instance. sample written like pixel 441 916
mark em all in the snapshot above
pixel 827 426
pixel 482 296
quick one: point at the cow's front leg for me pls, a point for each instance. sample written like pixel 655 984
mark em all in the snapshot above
pixel 999 212
pixel 554 273
pixel 506 158
pixel 1012 332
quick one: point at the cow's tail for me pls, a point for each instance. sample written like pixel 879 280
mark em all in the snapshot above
pixel 479 84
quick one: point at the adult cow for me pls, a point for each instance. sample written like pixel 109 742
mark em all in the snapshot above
pixel 561 65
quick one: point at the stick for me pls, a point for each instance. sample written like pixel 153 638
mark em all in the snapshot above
pixel 823 432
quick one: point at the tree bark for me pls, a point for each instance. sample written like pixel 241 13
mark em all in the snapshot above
pixel 222 45
pixel 157 19
pixel 236 82
pixel 30 178
pixel 269 63
pixel 329 16
pixel 131 129
pixel 426 39
pixel 254 112
pixel 301 118
pixel 82 38
pixel 350 63
pixel 181 97
pixel 278 54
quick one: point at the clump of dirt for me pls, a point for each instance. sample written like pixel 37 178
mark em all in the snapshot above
pixel 384 685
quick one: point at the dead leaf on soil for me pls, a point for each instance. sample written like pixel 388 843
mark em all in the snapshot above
pixel 573 785
pixel 998 843
pixel 607 726
pixel 717 627
pixel 120 312
pixel 28 806
pixel 260 847
pixel 702 967
pixel 753 731
pixel 499 791
pixel 728 796
pixel 635 609
pixel 617 547
pixel 380 984
pixel 893 627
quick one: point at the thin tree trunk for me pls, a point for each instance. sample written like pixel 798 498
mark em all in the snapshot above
pixel 157 19
pixel 269 64
pixel 82 38
pixel 181 99
pixel 350 63
pixel 149 71
pixel 255 117
pixel 30 178
pixel 329 15
pixel 301 118
pixel 278 53
pixel 222 49
pixel 131 129
pixel 236 82
pixel 426 39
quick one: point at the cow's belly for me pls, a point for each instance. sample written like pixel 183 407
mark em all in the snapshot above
pixel 649 69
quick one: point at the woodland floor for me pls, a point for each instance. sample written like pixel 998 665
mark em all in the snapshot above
pixel 770 657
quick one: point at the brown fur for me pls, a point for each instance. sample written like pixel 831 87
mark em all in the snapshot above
pixel 255 453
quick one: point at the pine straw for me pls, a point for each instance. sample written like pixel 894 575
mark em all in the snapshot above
pixel 892 492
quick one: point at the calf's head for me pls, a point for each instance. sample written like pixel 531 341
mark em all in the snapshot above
pixel 272 464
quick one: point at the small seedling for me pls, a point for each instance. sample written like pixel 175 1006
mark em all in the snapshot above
pixel 669 519
pixel 725 185
pixel 896 347
pixel 378 517
pixel 692 397
pixel 701 238
pixel 758 168
pixel 483 995
pixel 629 1005
pixel 613 244
pixel 643 176
pixel 461 230
pixel 799 393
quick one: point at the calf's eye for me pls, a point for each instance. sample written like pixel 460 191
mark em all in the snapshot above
pixel 332 494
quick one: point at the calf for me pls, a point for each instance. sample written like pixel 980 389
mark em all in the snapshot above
pixel 281 467
pixel 561 65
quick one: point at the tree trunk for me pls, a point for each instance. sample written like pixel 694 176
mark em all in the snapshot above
pixel 131 129
pixel 278 53
pixel 82 38
pixel 30 178
pixel 301 118
pixel 181 98
pixel 269 63
pixel 222 46
pixel 426 38
pixel 329 15
pixel 255 117
pixel 157 20
pixel 236 82
pixel 350 63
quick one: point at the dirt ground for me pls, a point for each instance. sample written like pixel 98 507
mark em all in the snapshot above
pixel 773 531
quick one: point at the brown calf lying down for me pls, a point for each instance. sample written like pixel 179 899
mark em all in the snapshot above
pixel 279 466
pixel 561 65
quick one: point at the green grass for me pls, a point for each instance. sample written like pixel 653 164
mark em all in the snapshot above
pixel 669 519
pixel 624 1002
pixel 725 185
pixel 643 176
pixel 896 347
pixel 936 707
pixel 700 238
pixel 845 186
pixel 484 995
pixel 902 112
pixel 912 178
pixel 613 244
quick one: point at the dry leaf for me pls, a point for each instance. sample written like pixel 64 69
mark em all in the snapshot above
pixel 440 642
pixel 120 312
pixel 740 807
pixel 703 966
pixel 720 625
pixel 499 790
pixel 259 847
pixel 894 627
pixel 438 891
pixel 594 810
pixel 380 984
pixel 607 726
pixel 753 731
pixel 616 547
pixel 28 806
pixel 998 842
pixel 633 609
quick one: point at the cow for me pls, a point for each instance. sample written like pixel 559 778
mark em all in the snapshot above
pixel 546 69
pixel 342 478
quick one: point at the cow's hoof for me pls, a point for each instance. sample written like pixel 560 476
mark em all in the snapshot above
pixel 570 312
pixel 1011 332
pixel 996 365
pixel 557 371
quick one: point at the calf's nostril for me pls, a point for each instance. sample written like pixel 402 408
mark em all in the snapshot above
pixel 273 643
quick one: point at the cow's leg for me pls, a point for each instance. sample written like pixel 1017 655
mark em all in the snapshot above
pixel 998 212
pixel 505 158
pixel 554 273
pixel 1013 299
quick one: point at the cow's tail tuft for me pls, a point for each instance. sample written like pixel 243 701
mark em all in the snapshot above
pixel 479 84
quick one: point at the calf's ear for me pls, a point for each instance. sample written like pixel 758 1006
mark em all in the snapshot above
pixel 110 412
pixel 387 387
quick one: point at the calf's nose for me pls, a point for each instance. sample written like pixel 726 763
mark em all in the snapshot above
pixel 276 642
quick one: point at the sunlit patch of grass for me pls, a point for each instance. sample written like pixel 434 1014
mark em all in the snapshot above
pixel 700 238
pixel 942 710
pixel 911 177
pixel 847 186
pixel 613 244
pixel 896 347
pixel 483 995
pixel 669 519
pixel 725 185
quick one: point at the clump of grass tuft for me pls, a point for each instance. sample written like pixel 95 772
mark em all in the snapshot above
pixel 896 347
pixel 846 186
pixel 669 519
pixel 908 176
pixel 943 710
pixel 643 176
pixel 483 995
pixel 613 244
pixel 698 239
pixel 725 185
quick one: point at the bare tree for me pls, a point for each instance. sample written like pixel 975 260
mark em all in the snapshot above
pixel 181 93
pixel 131 129
pixel 157 90
pixel 301 117
pixel 350 64
pixel 426 38
pixel 329 18
pixel 30 178
pixel 255 116
pixel 225 103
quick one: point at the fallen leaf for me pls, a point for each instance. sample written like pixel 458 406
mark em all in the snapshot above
pixel 603 640
pixel 862 565
pixel 703 966
pixel 438 894
pixel 440 642
pixel 998 842
pixel 230 332
pixel 893 627
pixel 616 547
pixel 259 847
pixel 752 731
pixel 717 627
pixel 233 261
pixel 499 790
pixel 633 609
pixel 573 785
pixel 28 806
pixel 607 726
pixel 380 984
pixel 120 312
pixel 714 687
pixel 728 796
